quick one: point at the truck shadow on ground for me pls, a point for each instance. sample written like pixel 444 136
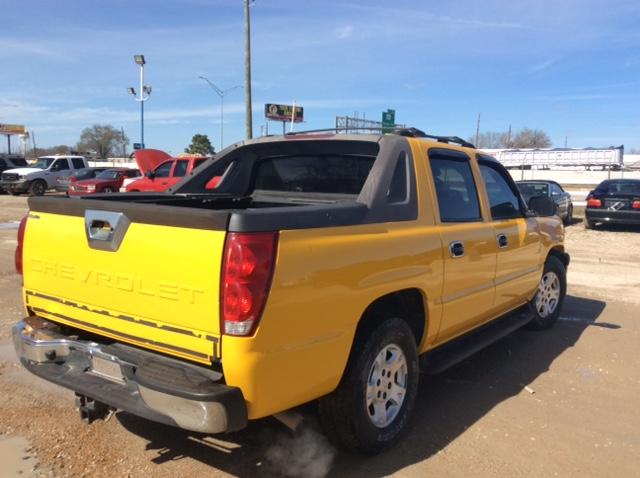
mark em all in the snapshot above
pixel 447 405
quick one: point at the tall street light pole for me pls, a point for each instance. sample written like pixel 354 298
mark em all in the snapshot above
pixel 247 70
pixel 143 94
pixel 221 94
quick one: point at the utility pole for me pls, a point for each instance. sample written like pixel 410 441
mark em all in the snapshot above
pixel 124 144
pixel 565 142
pixel 508 145
pixel 247 71
pixel 478 130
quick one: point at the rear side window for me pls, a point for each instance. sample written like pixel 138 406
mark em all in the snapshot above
pixel 3 163
pixel 19 162
pixel 163 170
pixel 181 168
pixel 455 188
pixel 133 173
pixel 329 174
pixel 78 163
pixel 503 200
pixel 198 162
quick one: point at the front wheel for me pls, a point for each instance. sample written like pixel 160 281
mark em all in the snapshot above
pixel 37 188
pixel 552 288
pixel 589 224
pixel 107 189
pixel 372 406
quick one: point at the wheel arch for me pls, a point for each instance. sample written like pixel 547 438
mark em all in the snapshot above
pixel 559 252
pixel 405 304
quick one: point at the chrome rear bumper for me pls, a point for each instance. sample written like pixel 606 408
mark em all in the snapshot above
pixel 143 383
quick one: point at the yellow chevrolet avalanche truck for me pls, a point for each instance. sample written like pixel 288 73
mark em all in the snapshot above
pixel 311 267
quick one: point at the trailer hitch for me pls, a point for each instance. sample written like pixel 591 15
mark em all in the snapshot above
pixel 92 410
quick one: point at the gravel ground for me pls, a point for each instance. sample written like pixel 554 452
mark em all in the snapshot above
pixel 556 403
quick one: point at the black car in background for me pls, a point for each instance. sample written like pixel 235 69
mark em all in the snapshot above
pixel 71 176
pixel 550 189
pixel 613 201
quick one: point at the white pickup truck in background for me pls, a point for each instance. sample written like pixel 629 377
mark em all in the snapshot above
pixel 41 175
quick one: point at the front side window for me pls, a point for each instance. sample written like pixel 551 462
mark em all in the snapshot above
pixel 60 165
pixel 455 187
pixel 503 200
pixel 163 170
pixel 133 173
pixel 181 169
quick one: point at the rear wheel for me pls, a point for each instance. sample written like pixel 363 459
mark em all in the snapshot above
pixel 107 189
pixel 371 407
pixel 37 188
pixel 552 288
pixel 589 224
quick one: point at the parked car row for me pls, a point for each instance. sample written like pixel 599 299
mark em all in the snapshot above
pixel 550 189
pixel 157 171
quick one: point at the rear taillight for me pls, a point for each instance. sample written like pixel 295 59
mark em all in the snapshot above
pixel 247 268
pixel 593 202
pixel 635 204
pixel 19 247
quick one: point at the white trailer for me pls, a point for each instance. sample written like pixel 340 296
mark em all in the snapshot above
pixel 588 158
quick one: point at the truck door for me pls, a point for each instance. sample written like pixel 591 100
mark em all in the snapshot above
pixel 56 170
pixel 516 238
pixel 468 242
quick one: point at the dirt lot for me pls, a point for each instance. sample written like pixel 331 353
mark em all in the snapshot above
pixel 556 403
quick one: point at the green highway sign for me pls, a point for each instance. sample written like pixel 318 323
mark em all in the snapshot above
pixel 388 120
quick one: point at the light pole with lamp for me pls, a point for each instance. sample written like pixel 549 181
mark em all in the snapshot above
pixel 221 94
pixel 143 96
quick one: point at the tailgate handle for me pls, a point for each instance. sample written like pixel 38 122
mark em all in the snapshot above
pixel 105 229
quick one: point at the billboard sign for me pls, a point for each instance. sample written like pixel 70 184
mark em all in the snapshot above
pixel 283 112
pixel 12 129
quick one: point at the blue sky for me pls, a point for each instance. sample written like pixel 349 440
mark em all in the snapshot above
pixel 571 68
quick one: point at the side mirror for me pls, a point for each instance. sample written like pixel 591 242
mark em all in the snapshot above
pixel 150 175
pixel 543 206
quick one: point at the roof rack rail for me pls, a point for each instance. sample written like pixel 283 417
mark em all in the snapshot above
pixel 409 132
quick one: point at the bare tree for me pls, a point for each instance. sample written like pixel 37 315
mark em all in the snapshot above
pixel 531 138
pixel 491 139
pixel 525 138
pixel 103 139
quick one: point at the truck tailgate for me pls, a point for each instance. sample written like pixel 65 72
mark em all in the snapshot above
pixel 159 287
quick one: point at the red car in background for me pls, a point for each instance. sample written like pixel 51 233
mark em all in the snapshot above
pixel 108 181
pixel 161 170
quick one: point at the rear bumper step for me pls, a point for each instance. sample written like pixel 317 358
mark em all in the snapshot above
pixel 143 383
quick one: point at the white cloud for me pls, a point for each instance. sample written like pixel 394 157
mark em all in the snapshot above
pixel 344 32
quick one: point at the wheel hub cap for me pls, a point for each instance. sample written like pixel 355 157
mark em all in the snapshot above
pixel 548 294
pixel 386 386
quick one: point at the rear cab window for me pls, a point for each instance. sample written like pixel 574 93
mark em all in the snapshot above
pixel 78 163
pixel 328 174
pixel 454 185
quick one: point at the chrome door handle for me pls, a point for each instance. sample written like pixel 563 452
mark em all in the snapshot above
pixel 502 240
pixel 456 249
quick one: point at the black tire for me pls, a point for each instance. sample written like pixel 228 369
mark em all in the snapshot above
pixel 569 217
pixel 545 312
pixel 37 188
pixel 589 224
pixel 107 189
pixel 344 414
